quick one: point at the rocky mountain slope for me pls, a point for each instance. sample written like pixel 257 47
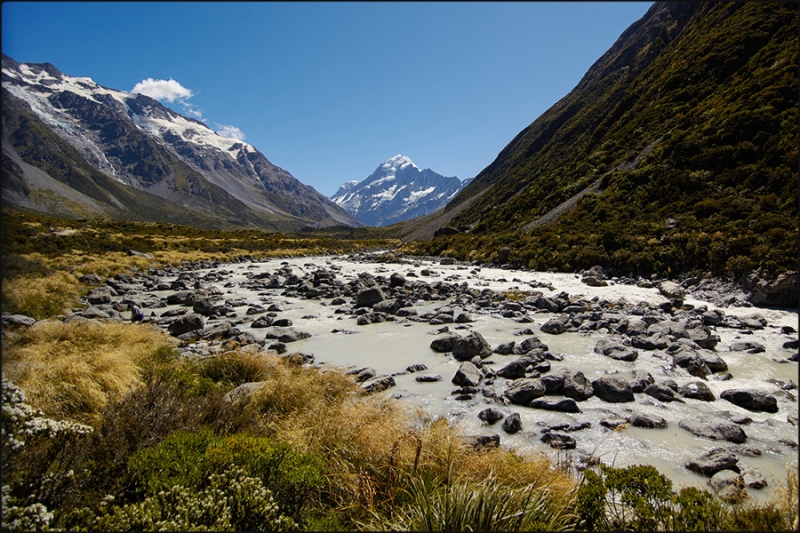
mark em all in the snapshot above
pixel 676 152
pixel 398 190
pixel 74 148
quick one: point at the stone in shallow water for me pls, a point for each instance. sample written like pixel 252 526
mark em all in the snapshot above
pixel 751 399
pixel 712 461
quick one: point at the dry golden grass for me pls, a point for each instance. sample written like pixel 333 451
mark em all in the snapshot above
pixel 373 445
pixel 41 297
pixel 72 370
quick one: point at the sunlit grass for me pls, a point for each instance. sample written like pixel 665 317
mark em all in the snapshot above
pixel 40 297
pixel 72 370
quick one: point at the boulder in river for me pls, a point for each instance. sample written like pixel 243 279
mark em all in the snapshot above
pixel 563 405
pixel 697 390
pixel 612 389
pixel 643 420
pixel 522 391
pixel 512 423
pixel 467 347
pixel 714 429
pixel 369 296
pixel 615 350
pixel 712 461
pixel 467 375
pixel 578 387
pixel 186 324
pixel 751 399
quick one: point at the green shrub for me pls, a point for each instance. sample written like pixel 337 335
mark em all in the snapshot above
pixel 232 501
pixel 188 459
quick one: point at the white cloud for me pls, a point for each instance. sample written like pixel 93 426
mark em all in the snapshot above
pixel 230 131
pixel 169 90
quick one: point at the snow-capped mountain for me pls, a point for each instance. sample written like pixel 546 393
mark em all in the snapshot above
pixel 96 150
pixel 398 190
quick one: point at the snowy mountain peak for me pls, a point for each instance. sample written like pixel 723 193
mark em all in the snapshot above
pixel 398 162
pixel 398 190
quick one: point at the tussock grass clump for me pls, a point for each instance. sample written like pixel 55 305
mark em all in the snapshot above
pixel 237 367
pixel 40 297
pixel 381 456
pixel 71 370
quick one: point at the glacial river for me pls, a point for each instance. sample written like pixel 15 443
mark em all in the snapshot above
pixel 390 347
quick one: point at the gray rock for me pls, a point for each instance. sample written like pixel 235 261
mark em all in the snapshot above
pixel 262 322
pixel 91 279
pixel 369 296
pixel 559 441
pixel 282 322
pixel 467 375
pixel 186 324
pixel 564 405
pixel 428 378
pixel 615 350
pixel 480 442
pixel 444 344
pixel 753 479
pixel 641 380
pixel 18 320
pixel 697 390
pixel 780 292
pixel 594 281
pixel 703 337
pixel 712 461
pixel 465 348
pixel 643 420
pixel 529 344
pixel 662 392
pixel 747 346
pixel 554 326
pixel 517 369
pixel 491 415
pixel 672 290
pixel 418 367
pixel 578 387
pixel 512 423
pixel 505 348
pixel 725 478
pixel 389 306
pixel 378 384
pixel 366 374
pixel 751 399
pixel 243 393
pixel 522 391
pixel 614 422
pixel 612 389
pixel 715 429
pixel 286 335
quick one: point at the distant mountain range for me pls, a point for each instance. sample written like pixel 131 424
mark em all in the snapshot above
pixel 74 148
pixel 676 152
pixel 398 190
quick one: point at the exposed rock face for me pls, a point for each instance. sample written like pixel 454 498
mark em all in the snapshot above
pixel 397 191
pixel 780 292
pixel 135 158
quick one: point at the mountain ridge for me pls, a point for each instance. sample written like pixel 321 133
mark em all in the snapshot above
pixel 689 123
pixel 137 142
pixel 396 191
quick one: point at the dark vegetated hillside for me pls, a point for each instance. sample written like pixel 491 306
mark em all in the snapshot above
pixel 688 128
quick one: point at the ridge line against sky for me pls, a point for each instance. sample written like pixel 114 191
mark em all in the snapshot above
pixel 329 90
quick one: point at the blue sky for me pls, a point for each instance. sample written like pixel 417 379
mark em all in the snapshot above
pixel 327 90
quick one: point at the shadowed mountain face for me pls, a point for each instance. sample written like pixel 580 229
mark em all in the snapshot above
pixel 676 152
pixel 74 148
pixel 398 190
